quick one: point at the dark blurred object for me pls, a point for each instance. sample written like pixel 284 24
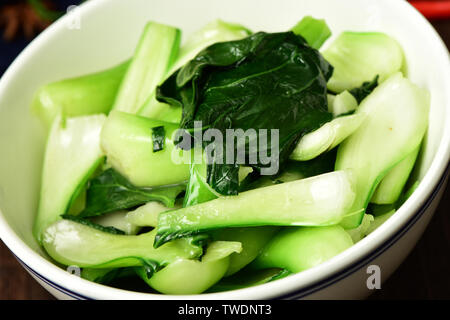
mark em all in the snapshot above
pixel 21 21
pixel 28 18
pixel 433 9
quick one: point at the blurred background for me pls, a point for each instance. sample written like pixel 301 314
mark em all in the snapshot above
pixel 424 275
pixel 22 20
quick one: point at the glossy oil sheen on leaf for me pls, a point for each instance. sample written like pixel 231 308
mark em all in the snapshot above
pixel 111 192
pixel 265 81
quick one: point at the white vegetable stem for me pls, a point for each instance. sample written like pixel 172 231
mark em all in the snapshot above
pixel 326 137
pixel 72 154
pixel 396 118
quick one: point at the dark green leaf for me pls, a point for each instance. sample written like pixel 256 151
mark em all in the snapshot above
pixel 158 138
pixel 265 81
pixel 110 192
pixel 150 267
pixel 224 178
pixel 91 224
pixel 362 92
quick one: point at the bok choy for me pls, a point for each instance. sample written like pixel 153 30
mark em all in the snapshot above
pixel 228 160
pixel 72 155
pixel 396 120
pixel 90 94
pixel 154 56
pixel 359 57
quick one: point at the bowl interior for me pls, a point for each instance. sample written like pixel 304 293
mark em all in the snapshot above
pixel 108 33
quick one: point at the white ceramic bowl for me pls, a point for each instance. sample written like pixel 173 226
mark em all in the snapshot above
pixel 108 33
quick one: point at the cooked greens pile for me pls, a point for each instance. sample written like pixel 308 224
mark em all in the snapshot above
pixel 134 181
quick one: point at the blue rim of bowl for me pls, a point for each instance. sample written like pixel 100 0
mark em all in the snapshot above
pixel 330 280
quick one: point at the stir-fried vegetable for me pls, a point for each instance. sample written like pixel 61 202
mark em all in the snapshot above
pixel 391 187
pixel 128 144
pixel 72 243
pixel 216 31
pixel 326 137
pixel 316 201
pixel 110 192
pixel 359 57
pixel 154 56
pixel 315 31
pixel 322 147
pixel 396 120
pixel 265 81
pixel 187 276
pixel 72 155
pixel 253 241
pixel 343 103
pixel 90 94
pixel 298 249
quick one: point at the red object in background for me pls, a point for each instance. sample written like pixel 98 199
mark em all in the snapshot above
pixel 433 9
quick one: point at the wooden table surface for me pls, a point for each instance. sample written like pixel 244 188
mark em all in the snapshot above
pixel 423 275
